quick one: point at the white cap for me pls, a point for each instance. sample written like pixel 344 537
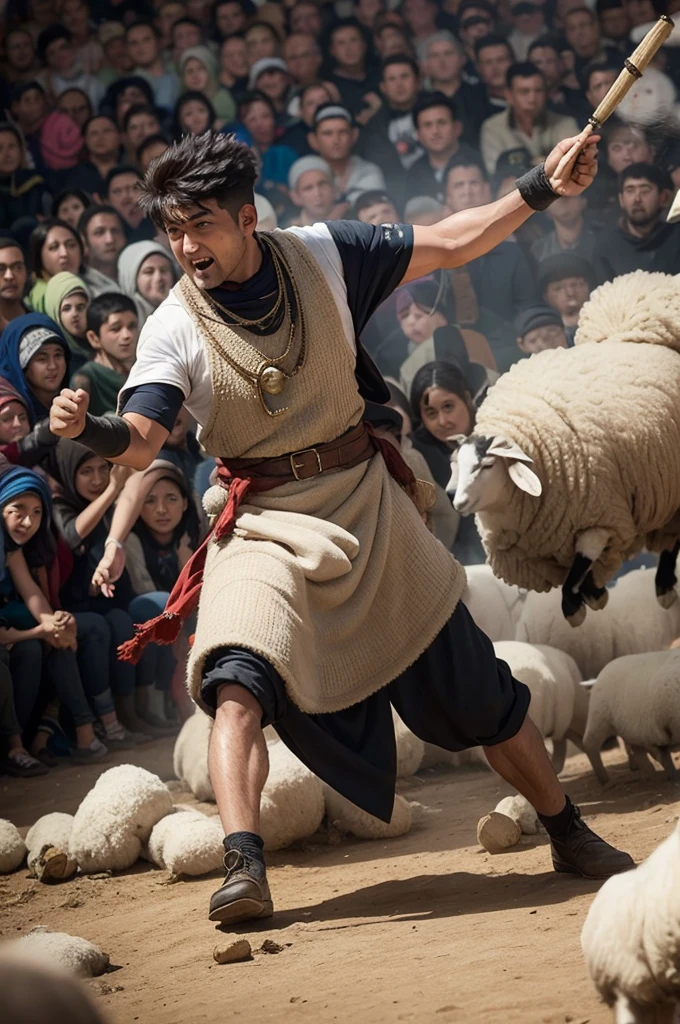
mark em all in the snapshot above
pixel 304 164
pixel 266 64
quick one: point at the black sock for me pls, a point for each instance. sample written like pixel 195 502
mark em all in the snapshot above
pixel 557 825
pixel 247 843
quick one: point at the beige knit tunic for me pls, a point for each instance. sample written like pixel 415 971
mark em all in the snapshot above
pixel 336 581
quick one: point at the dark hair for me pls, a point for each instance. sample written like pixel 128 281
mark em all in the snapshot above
pixel 547 41
pixel 115 172
pixel 21 88
pixel 145 23
pixel 187 97
pixel 7 126
pixel 200 167
pixel 103 306
pixel 39 236
pixel 591 67
pixel 492 40
pixel 186 21
pixel 346 23
pixel 138 108
pixel 430 100
pixel 399 58
pixel 50 35
pixel 523 69
pixel 150 140
pixel 467 160
pixel 92 211
pixel 66 193
pixel 40 550
pixel 264 24
pixel 254 96
pixel 440 374
pixel 98 117
pixel 581 10
pixel 369 198
pixel 75 88
pixel 247 6
pixel 658 176
pixel 116 89
pixel 11 243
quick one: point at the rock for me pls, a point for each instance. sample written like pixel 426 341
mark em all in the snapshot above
pixel 269 946
pixel 233 953
pixel 53 865
pixel 497 832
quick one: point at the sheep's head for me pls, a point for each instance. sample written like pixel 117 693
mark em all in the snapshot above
pixel 480 467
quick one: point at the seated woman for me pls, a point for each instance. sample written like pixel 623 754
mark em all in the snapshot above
pixel 443 407
pixel 44 640
pixel 34 358
pixel 54 247
pixel 146 272
pixel 66 302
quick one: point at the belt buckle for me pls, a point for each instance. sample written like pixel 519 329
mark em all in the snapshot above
pixel 295 467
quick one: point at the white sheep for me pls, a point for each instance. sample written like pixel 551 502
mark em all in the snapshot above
pixel 637 698
pixel 630 624
pixel 190 756
pixel 631 939
pixel 559 704
pixel 116 817
pixel 73 954
pixel 292 805
pixel 12 847
pixel 410 748
pixel 186 842
pixel 493 604
pixel 347 817
pixel 48 848
pixel 511 818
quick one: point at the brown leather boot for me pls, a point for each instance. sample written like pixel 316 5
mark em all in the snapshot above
pixel 244 893
pixel 582 852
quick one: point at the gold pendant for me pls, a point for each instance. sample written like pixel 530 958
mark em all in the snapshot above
pixel 271 380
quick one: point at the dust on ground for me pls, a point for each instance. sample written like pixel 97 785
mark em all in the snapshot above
pixel 427 927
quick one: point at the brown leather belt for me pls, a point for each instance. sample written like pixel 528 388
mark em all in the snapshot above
pixel 351 448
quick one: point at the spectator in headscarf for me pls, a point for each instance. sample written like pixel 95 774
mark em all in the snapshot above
pixel 146 273
pixel 34 358
pixel 66 302
pixel 199 69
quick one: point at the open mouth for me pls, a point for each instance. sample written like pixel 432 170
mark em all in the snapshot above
pixel 202 265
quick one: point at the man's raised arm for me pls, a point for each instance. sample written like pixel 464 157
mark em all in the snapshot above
pixel 568 171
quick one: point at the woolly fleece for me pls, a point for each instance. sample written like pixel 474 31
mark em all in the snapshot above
pixel 495 606
pixel 631 937
pixel 190 756
pixel 116 818
pixel 292 805
pixel 187 843
pixel 410 749
pixel 347 817
pixel 75 955
pixel 12 847
pixel 52 830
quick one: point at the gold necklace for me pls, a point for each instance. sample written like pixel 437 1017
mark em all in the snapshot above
pixel 280 297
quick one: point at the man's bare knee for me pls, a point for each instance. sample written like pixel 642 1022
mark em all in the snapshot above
pixel 237 708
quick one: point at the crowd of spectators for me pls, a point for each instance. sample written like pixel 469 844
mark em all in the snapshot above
pixel 356 109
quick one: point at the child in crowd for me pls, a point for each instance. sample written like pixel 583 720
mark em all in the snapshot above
pixel 540 328
pixel 34 358
pixel 66 302
pixel 112 332
pixel 14 419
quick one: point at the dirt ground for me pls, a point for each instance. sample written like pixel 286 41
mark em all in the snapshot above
pixel 423 928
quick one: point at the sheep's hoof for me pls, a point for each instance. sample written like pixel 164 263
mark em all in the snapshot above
pixel 497 832
pixel 576 618
pixel 53 865
pixel 598 600
pixel 667 599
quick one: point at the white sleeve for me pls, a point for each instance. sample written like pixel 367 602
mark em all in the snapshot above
pixel 166 350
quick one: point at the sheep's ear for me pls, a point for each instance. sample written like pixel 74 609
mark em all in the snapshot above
pixel 525 478
pixel 507 450
pixel 456 441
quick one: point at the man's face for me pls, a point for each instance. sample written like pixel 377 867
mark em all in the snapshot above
pixel 140 127
pixel 230 18
pixel 12 274
pixel 347 47
pixel 625 147
pixel 599 85
pixel 311 101
pixel 19 50
pixel 102 138
pixel 420 15
pixel 542 338
pixel 549 63
pixel 59 56
pixel 641 201
pixel 259 121
pixel 75 105
pixel 334 139
pixel 122 196
pixel 615 23
pixel 437 130
pixel 116 53
pixel 303 57
pixel 493 63
pixel 567 210
pixel 74 15
pixel 379 213
pixel 30 109
pixel 306 19
pixel 526 96
pixel 104 238
pixel 273 83
pixel 314 194
pixel 166 18
pixel 640 12
pixel 208 244
pixel 445 61
pixel 234 57
pixel 142 45
pixel 582 33
pixel 567 296
pixel 475 24
pixel 184 37
pixel 466 189
pixel 400 86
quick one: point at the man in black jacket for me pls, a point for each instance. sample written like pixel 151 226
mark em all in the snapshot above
pixel 438 130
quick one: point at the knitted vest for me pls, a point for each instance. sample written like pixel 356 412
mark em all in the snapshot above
pixel 334 580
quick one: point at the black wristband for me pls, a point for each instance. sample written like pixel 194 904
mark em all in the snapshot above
pixel 108 436
pixel 535 189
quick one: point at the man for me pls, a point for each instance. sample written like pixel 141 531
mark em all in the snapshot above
pixel 546 53
pixel 566 281
pixel 526 122
pixel 476 19
pixel 528 23
pixel 614 24
pixel 334 138
pixel 21 62
pixel 582 31
pixel 310 183
pixel 13 276
pixel 443 60
pixel 139 123
pixel 122 194
pixel 283 632
pixel 420 17
pixel 29 108
pixel 539 328
pixel 642 240
pixel 64 71
pixel 389 140
pixel 598 79
pixel 184 34
pixel 313 96
pixel 103 233
pixel 303 58
pixel 438 131
pixel 374 208
pixel 493 59
pixel 102 153
pixel 144 47
pixel 569 231
pixel 348 50
pixel 149 150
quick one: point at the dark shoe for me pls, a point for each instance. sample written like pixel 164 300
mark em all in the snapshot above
pixel 49 759
pixel 582 852
pixel 244 894
pixel 96 751
pixel 23 766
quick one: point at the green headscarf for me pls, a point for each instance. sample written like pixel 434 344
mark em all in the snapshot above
pixel 58 288
pixel 221 98
pixel 36 296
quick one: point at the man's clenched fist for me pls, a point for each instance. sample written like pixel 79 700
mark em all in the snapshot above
pixel 67 415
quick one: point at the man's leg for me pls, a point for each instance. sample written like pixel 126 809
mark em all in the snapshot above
pixel 523 762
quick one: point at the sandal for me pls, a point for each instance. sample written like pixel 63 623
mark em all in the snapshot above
pixel 22 765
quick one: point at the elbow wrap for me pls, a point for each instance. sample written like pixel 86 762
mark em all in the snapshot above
pixel 535 189
pixel 108 436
